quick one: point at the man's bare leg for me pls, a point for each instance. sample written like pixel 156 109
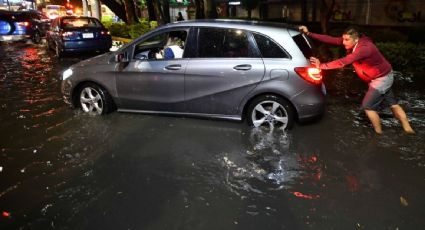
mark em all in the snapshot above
pixel 375 120
pixel 402 117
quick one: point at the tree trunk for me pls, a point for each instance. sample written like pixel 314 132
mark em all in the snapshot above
pixel 166 10
pixel 213 10
pixel 137 11
pixel 326 14
pixel 117 8
pixel 151 10
pixel 200 9
pixel 158 12
pixel 129 9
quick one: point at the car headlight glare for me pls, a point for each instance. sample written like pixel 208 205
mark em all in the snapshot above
pixel 66 74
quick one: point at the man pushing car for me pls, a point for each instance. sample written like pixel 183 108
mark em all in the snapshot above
pixel 372 67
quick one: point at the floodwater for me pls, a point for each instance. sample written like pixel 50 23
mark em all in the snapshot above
pixel 61 169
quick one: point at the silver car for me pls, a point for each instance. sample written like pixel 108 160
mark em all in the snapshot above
pixel 226 69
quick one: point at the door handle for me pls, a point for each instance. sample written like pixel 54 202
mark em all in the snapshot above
pixel 173 67
pixel 244 67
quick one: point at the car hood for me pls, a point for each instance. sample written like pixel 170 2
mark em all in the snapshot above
pixel 97 60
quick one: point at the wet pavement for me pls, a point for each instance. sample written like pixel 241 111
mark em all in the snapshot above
pixel 61 169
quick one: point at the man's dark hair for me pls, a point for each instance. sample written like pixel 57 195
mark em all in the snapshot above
pixel 352 31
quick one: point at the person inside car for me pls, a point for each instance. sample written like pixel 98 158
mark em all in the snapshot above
pixel 173 49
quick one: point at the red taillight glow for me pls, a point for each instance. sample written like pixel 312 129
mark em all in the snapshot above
pixel 67 34
pixel 310 74
pixel 104 32
pixel 23 24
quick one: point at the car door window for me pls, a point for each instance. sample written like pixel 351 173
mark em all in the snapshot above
pixel 167 45
pixel 224 43
pixel 269 48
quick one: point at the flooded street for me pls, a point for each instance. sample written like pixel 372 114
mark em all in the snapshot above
pixel 61 169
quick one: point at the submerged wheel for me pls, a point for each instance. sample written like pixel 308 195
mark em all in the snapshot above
pixel 272 111
pixel 95 100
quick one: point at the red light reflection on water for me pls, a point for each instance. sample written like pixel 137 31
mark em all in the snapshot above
pixel 305 196
pixel 31 59
pixel 313 174
pixel 311 164
pixel 352 183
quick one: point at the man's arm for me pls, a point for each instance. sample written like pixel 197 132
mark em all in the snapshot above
pixel 360 53
pixel 326 38
pixel 321 37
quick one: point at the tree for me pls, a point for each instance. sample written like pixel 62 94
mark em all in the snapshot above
pixel 117 7
pixel 326 9
pixel 249 5
pixel 130 11
pixel 151 10
pixel 200 9
pixel 162 11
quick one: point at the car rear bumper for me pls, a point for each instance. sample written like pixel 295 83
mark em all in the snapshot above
pixel 310 103
pixel 5 38
pixel 82 46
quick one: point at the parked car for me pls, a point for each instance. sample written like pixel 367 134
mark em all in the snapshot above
pixel 23 25
pixel 78 34
pixel 230 69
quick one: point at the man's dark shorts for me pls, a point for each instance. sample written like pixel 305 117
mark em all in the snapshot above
pixel 375 100
pixel 379 95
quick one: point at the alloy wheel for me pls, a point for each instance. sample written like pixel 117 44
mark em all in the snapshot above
pixel 91 101
pixel 269 113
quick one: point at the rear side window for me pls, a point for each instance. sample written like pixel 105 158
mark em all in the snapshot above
pixel 224 43
pixel 305 45
pixel 269 48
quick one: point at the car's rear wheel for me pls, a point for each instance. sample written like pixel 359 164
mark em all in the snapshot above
pixel 95 100
pixel 271 111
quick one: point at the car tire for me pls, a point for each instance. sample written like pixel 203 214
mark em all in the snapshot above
pixel 36 38
pixel 95 100
pixel 271 111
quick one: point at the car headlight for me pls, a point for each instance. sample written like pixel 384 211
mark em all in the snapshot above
pixel 66 74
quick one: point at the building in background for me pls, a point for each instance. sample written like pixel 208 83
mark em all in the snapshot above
pixel 177 6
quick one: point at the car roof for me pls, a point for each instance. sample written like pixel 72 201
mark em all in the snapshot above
pixel 77 17
pixel 18 15
pixel 232 23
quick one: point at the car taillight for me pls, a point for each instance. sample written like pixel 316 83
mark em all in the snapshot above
pixel 67 34
pixel 104 32
pixel 25 24
pixel 310 74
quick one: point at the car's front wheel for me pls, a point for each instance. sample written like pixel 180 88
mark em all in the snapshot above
pixel 271 111
pixel 94 100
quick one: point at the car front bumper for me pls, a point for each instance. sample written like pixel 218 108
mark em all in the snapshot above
pixel 66 88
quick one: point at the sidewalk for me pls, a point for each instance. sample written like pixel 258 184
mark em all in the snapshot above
pixel 117 42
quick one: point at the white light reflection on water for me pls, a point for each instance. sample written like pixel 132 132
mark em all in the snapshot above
pixel 266 164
